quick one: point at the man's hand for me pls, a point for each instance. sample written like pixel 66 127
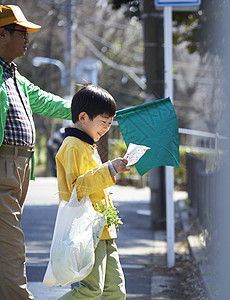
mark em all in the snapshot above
pixel 119 165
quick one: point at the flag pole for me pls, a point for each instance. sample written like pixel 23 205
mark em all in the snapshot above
pixel 169 171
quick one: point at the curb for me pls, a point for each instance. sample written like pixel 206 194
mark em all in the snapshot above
pixel 162 285
pixel 198 252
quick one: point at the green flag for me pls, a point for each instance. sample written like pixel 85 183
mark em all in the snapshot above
pixel 153 125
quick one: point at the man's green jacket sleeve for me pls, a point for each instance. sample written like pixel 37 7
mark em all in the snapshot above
pixel 45 103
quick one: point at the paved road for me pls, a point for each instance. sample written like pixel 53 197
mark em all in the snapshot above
pixel 135 239
pixel 140 249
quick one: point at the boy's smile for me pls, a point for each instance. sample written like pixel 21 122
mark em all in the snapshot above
pixel 95 128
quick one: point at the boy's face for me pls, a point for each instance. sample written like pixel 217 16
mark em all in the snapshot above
pixel 97 127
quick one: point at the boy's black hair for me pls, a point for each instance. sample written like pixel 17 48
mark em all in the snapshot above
pixel 94 101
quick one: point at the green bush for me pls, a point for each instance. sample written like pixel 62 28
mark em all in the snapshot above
pixel 117 148
pixel 40 155
pixel 180 174
pixel 212 158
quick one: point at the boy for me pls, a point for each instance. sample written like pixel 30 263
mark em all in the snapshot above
pixel 78 163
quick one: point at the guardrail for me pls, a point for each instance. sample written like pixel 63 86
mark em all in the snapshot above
pixel 202 139
pixel 201 188
pixel 201 179
pixel 205 139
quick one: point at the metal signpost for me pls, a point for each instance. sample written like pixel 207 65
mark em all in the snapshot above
pixel 178 5
pixel 167 6
pixel 173 3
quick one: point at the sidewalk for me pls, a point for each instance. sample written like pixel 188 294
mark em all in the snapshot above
pixel 142 251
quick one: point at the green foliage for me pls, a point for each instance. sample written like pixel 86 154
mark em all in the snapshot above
pixel 40 149
pixel 213 161
pixel 180 174
pixel 111 214
pixel 201 29
pixel 196 28
pixel 133 7
pixel 118 149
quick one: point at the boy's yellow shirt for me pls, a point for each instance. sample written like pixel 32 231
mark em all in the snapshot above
pixel 79 163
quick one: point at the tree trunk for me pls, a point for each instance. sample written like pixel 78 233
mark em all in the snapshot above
pixel 154 71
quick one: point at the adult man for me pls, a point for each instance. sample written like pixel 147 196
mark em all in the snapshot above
pixel 18 97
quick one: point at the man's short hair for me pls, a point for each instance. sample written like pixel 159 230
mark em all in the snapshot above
pixel 10 27
pixel 94 101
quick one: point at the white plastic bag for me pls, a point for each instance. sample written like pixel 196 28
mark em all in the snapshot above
pixel 77 231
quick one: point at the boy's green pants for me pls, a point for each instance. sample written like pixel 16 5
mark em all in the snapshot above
pixel 106 281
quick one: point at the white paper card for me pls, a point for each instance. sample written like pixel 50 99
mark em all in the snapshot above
pixel 134 153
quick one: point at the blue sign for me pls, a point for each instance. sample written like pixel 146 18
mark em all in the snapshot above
pixel 177 2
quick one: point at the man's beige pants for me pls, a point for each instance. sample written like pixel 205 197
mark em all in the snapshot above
pixel 14 180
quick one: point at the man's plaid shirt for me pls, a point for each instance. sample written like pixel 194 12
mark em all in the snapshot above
pixel 19 129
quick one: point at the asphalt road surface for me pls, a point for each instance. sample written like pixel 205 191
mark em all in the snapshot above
pixel 135 239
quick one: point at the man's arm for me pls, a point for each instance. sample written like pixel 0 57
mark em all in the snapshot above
pixel 44 103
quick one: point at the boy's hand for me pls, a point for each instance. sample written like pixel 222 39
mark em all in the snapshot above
pixel 119 165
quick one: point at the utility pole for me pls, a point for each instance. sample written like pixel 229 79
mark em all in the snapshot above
pixel 68 6
pixel 69 41
pixel 154 70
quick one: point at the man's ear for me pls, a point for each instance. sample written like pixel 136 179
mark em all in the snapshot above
pixel 83 117
pixel 2 33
